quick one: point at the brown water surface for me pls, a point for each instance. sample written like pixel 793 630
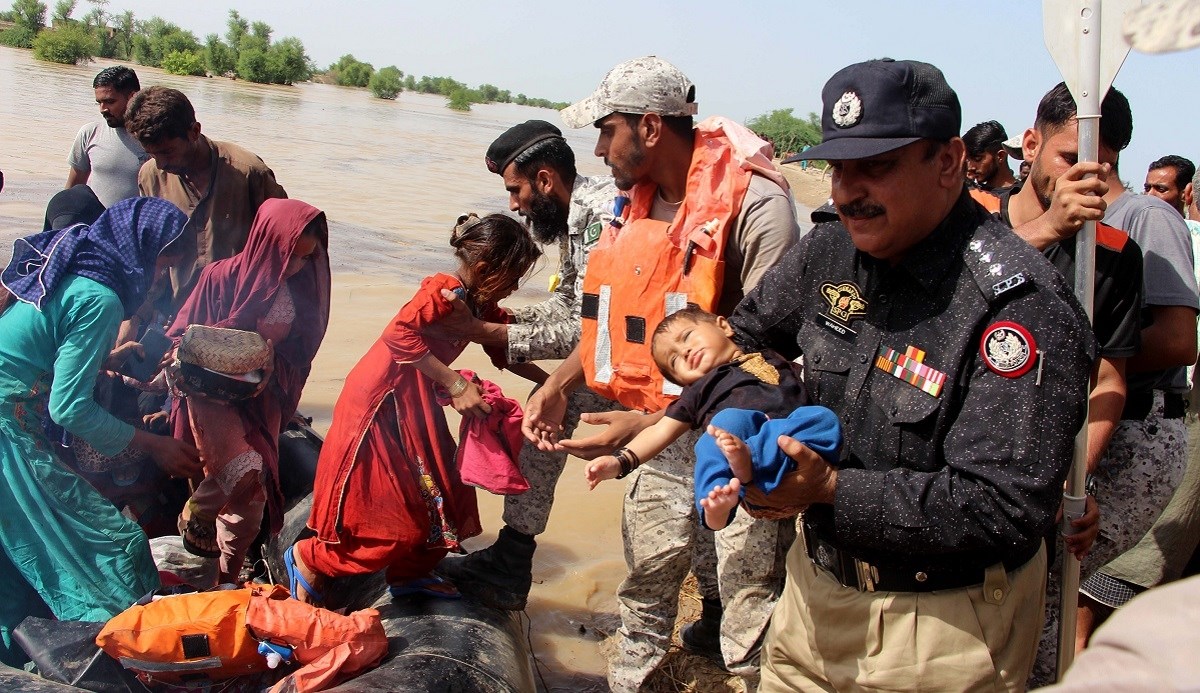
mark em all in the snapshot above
pixel 392 177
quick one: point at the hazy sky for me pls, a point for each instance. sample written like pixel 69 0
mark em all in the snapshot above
pixel 746 57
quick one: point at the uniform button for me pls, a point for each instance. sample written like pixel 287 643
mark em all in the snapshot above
pixel 862 358
pixel 816 358
pixel 921 576
pixel 997 594
pixel 895 410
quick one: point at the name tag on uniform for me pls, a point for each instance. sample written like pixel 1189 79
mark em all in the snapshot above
pixel 845 304
pixel 910 368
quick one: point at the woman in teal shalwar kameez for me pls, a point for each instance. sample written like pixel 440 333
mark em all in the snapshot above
pixel 66 551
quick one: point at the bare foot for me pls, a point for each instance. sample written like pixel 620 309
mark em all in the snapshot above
pixel 737 454
pixel 719 505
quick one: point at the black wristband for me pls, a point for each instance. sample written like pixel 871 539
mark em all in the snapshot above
pixel 628 459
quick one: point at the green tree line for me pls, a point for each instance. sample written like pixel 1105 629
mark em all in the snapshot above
pixel 246 51
pixel 386 83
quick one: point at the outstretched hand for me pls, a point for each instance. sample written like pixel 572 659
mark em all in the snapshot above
pixel 544 411
pixel 620 427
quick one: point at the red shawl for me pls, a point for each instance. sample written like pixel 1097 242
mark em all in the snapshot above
pixel 236 293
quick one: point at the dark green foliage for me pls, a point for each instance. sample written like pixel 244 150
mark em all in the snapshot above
pixel 252 65
pixel 386 83
pixel 63 10
pixel 461 100
pixel 29 15
pixel 286 61
pixel 218 58
pixel 124 28
pixel 96 23
pixel 236 28
pixel 348 71
pixel 17 37
pixel 156 37
pixel 69 44
pixel 439 85
pixel 184 63
pixel 788 132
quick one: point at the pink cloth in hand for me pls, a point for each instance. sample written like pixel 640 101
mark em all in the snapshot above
pixel 489 447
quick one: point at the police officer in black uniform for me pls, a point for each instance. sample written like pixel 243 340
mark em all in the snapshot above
pixel 957 359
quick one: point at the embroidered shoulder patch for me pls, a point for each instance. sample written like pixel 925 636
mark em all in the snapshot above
pixel 592 233
pixel 1008 349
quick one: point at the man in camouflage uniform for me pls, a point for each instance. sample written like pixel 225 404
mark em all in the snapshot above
pixel 643 112
pixel 538 168
pixel 535 161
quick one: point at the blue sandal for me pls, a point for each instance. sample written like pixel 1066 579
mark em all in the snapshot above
pixel 295 578
pixel 422 587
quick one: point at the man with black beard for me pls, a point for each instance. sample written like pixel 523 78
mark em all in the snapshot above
pixel 561 206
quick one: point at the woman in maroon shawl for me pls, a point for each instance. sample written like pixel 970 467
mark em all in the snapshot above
pixel 277 286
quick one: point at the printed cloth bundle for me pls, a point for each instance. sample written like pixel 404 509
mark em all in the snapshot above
pixel 222 363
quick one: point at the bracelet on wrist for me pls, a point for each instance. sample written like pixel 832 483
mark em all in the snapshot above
pixel 457 387
pixel 628 459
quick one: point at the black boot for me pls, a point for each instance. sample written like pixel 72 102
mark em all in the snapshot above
pixel 500 575
pixel 704 636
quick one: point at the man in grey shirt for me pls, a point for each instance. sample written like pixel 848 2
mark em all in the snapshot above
pixel 104 155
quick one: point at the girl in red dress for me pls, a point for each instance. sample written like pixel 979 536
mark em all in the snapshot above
pixel 387 493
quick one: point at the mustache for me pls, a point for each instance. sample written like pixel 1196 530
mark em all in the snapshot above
pixel 861 210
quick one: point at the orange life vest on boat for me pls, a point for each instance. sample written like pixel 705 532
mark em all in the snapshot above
pixel 643 270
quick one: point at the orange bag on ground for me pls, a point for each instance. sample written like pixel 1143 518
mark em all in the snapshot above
pixel 178 637
pixel 215 635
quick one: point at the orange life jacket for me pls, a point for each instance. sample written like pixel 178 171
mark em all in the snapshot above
pixel 642 270
pixel 216 634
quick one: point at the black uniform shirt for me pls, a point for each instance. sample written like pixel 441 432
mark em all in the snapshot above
pixel 1117 306
pixel 729 385
pixel 973 474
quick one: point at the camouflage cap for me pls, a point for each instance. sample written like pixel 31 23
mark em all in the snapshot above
pixel 642 85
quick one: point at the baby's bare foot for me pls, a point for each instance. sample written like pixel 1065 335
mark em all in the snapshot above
pixel 719 506
pixel 736 453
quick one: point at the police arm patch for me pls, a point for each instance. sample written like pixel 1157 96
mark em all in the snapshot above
pixel 1008 349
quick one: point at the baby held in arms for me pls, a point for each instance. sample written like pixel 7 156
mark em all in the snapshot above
pixel 743 401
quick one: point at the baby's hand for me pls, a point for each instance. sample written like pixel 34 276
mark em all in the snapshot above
pixel 601 468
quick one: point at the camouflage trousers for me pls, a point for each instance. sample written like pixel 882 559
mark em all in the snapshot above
pixel 1134 482
pixel 529 512
pixel 662 533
